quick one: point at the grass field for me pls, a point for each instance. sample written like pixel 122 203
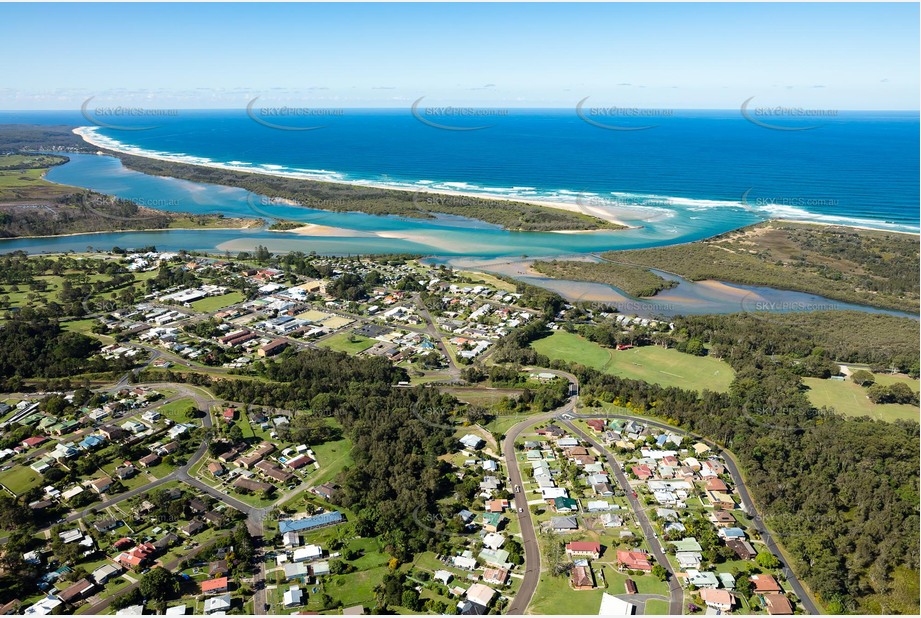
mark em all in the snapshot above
pixel 653 364
pixel 349 343
pixel 485 279
pixel 851 400
pixel 175 410
pixel 20 479
pixel 214 303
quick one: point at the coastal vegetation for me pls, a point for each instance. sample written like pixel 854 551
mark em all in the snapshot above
pixel 866 267
pixel 634 280
pixel 33 137
pixel 339 197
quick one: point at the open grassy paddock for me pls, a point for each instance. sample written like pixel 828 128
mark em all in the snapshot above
pixel 653 364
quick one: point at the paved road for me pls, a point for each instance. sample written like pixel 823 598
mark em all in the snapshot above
pixel 748 505
pixel 526 524
pixel 529 537
pixel 676 593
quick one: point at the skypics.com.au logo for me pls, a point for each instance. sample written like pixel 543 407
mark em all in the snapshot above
pixel 106 116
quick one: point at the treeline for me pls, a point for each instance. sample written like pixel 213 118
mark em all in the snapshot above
pixel 32 137
pixel 858 266
pixel 35 346
pixel 633 280
pixel 350 198
pixel 809 338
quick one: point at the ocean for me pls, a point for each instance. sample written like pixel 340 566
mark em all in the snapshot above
pixel 690 169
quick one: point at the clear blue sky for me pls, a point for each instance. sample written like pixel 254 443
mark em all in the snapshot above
pixel 679 56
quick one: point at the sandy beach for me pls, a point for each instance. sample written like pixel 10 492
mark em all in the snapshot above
pixel 610 216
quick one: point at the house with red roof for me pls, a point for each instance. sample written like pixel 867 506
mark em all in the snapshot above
pixel 633 560
pixel 33 441
pixel 642 472
pixel 765 583
pixel 138 556
pixel 214 586
pixel 595 424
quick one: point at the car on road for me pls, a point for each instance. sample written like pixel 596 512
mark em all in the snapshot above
pixel 634 494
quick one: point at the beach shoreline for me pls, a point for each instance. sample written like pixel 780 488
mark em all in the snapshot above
pixel 613 217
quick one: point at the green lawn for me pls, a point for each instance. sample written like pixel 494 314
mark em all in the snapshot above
pixel 851 400
pixel 350 343
pixel 332 457
pixel 175 410
pixel 214 303
pixel 20 479
pixel 654 607
pixel 653 364
pixel 79 326
pixel 352 589
pixel 554 595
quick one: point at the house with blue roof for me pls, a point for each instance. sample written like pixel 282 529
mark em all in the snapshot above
pixel 310 523
pixel 92 442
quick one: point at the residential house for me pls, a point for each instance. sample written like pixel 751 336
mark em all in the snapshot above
pixel 101 485
pixel 149 461
pixel 77 591
pixel 293 597
pixel 480 594
pixel 217 568
pixel 743 549
pixel 582 578
pixel 497 577
pixel 564 524
pixel 633 560
pixel 217 604
pixel 214 586
pixel 765 583
pixel 721 600
pixel 296 570
pixel 583 549
pixel 193 527
pixel 777 604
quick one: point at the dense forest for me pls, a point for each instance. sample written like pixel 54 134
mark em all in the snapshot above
pixel 633 280
pixel 882 341
pixel 350 198
pixel 858 266
pixel 35 346
pixel 32 137
pixel 841 493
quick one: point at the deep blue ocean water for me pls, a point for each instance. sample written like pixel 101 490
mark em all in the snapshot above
pixel 859 168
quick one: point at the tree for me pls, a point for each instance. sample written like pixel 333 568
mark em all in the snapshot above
pixel 767 560
pixel 410 599
pixel 744 586
pixel 660 572
pixel 863 377
pixel 158 584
